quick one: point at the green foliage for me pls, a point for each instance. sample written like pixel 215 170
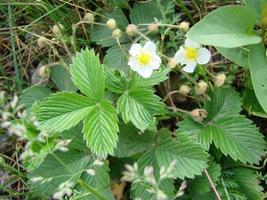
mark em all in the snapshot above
pixel 235 30
pixel 257 65
pixel 230 131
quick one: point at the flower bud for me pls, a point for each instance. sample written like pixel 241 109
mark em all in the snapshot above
pixel 131 30
pixel 219 80
pixel 42 42
pixel 184 26
pixel 89 17
pixel 153 27
pixel 112 24
pixel 116 33
pixel 172 63
pixel 199 114
pixel 184 90
pixel 57 29
pixel 201 87
pixel 44 71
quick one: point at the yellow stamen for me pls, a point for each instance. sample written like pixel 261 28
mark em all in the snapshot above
pixel 144 58
pixel 191 53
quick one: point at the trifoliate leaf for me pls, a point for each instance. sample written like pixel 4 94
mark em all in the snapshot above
pixel 62 110
pixel 231 132
pixel 33 94
pixel 139 105
pixel 88 74
pixel 101 127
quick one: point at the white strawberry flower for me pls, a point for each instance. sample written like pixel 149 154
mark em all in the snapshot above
pixel 144 59
pixel 191 54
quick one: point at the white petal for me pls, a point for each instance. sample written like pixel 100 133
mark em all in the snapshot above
pixel 179 56
pixel 145 72
pixel 150 47
pixel 190 43
pixel 135 49
pixel 190 67
pixel 203 56
pixel 155 63
pixel 133 64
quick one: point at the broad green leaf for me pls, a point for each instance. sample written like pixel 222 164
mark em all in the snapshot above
pixel 252 105
pixel 62 110
pixel 88 74
pixel 119 3
pixel 231 132
pixel 115 82
pixel 33 94
pixel 55 172
pixel 143 13
pixel 191 158
pixel 236 55
pixel 258 70
pixel 139 105
pixel 100 182
pixel 117 59
pixel 61 77
pixel 248 183
pixel 229 27
pixel 200 184
pixel 132 142
pixel 102 35
pixel 255 6
pixel 101 127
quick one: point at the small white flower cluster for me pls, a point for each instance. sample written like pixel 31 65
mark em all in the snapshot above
pixel 62 145
pixel 64 189
pixel 144 59
pixel 148 178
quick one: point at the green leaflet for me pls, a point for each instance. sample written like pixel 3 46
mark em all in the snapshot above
pixel 235 30
pixel 88 74
pixel 232 133
pixel 258 70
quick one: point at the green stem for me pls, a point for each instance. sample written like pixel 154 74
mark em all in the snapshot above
pixel 185 10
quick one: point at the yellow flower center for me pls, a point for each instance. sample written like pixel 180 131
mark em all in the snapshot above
pixel 144 58
pixel 191 53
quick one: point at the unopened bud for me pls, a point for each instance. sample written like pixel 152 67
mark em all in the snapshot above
pixel 199 114
pixel 184 90
pixel 42 42
pixel 153 27
pixel 89 17
pixel 219 80
pixel 172 63
pixel 184 26
pixel 116 33
pixel 131 30
pixel 44 71
pixel 201 87
pixel 111 23
pixel 57 29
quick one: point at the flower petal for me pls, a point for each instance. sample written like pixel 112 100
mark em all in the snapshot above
pixel 133 64
pixel 150 47
pixel 190 67
pixel 145 72
pixel 155 62
pixel 190 43
pixel 179 56
pixel 135 49
pixel 203 56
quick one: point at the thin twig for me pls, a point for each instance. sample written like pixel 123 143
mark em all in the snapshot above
pixel 212 185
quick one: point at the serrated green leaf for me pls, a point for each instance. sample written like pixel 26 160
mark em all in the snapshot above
pixel 61 77
pixel 232 133
pixel 235 30
pixel 54 170
pixel 62 110
pixel 131 142
pixel 143 13
pixel 101 127
pixel 139 105
pixel 88 74
pixel 191 159
pixel 119 3
pixel 33 94
pixel 102 35
pixel 257 66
